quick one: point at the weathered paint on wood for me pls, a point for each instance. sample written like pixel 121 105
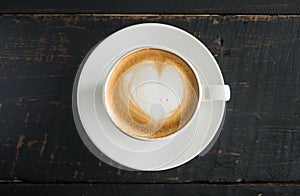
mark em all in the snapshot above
pixel 151 189
pixel 152 6
pixel 259 58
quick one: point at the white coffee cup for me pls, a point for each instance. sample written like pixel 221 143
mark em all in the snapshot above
pixel 157 90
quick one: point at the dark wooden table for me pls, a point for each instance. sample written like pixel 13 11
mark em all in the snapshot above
pixel 257 45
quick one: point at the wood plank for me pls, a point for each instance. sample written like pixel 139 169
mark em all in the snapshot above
pixel 258 55
pixel 150 189
pixel 152 6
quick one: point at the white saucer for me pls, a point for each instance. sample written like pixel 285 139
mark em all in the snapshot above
pixel 137 154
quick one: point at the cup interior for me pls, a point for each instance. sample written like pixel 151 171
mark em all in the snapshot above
pixel 157 93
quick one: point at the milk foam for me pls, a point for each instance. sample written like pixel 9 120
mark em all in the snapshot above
pixel 147 85
pixel 151 93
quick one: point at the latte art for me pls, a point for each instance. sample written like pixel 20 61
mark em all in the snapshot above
pixel 151 93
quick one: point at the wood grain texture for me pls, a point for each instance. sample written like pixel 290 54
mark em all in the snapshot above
pixel 152 6
pixel 150 189
pixel 259 58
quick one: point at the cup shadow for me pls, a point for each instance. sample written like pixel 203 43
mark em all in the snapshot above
pixel 84 137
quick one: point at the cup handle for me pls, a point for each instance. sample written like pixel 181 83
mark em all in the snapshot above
pixel 216 93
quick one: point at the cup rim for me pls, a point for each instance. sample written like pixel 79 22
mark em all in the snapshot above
pixel 191 66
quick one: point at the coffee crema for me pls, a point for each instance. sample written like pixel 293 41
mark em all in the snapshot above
pixel 151 93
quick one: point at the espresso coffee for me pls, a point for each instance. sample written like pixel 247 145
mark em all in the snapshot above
pixel 151 93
